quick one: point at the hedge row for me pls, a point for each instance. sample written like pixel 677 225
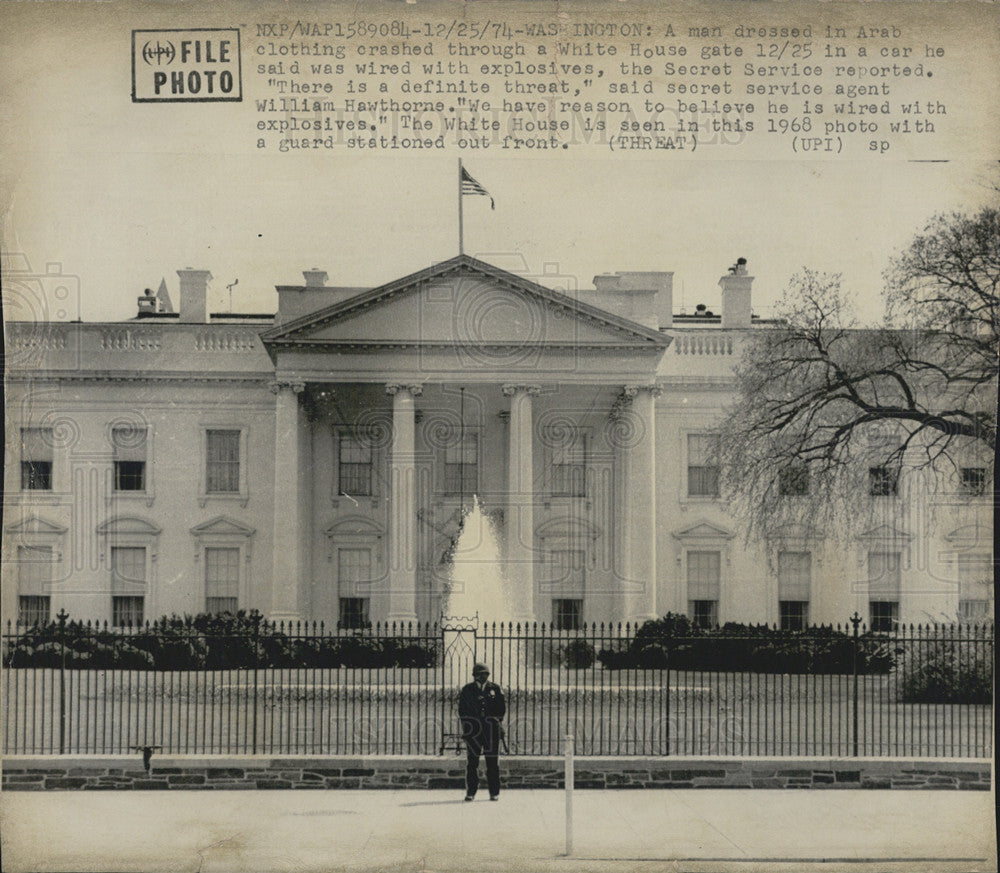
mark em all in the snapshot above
pixel 210 642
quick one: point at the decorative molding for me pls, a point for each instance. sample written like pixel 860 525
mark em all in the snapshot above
pixel 511 389
pixel 131 339
pixel 279 385
pixel 393 388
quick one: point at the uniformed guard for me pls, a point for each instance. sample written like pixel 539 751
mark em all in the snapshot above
pixel 481 708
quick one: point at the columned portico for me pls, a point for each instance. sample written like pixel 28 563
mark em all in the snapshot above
pixel 402 533
pixel 635 434
pixel 520 520
pixel 288 595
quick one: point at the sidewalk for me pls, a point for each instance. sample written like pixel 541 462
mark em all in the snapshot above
pixel 739 830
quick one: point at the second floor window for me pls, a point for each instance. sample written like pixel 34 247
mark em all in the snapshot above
pixel 883 481
pixel 793 481
pixel 355 467
pixel 974 480
pixel 222 462
pixel 36 458
pixel 461 465
pixel 703 465
pixel 130 458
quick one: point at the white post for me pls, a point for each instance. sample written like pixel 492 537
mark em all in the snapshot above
pixel 569 795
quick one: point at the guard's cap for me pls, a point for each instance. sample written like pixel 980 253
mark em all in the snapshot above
pixel 480 668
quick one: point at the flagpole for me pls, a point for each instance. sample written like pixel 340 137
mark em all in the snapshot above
pixel 460 206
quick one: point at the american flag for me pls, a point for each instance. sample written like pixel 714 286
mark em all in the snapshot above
pixel 471 186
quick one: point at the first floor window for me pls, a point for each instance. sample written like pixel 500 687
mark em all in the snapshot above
pixel 222 462
pixel 975 584
pixel 354 576
pixel 973 610
pixel 32 609
pixel 794 614
pixel 794 583
pixel 567 613
pixel 126 611
pixel 704 613
pixel 222 579
pixel 883 614
pixel 36 458
pixel 703 581
pixel 353 612
pixel 34 576
pixel 128 585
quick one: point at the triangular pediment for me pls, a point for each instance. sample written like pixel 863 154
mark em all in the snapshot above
pixel 796 531
pixel 463 302
pixel 222 526
pixel 35 525
pixel 704 530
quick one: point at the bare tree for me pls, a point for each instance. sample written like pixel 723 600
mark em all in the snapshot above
pixel 829 413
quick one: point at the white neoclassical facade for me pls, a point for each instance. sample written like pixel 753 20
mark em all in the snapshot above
pixel 313 464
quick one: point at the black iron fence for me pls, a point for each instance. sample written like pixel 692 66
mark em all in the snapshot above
pixel 241 685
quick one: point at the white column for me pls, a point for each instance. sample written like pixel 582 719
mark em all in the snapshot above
pixel 520 521
pixel 402 525
pixel 640 532
pixel 287 580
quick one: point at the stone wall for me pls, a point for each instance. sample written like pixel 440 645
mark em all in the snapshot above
pixel 70 772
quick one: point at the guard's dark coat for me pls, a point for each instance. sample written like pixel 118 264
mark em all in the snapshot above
pixel 481 711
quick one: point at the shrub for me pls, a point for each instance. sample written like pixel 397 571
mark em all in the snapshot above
pixel 578 655
pixel 942 671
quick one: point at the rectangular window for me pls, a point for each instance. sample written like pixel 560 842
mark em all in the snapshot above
pixel 130 458
pixel 793 481
pixel 34 570
pixel 974 480
pixel 794 578
pixel 222 580
pixel 355 465
pixel 567 613
pixel 354 612
pixel 222 462
pixel 126 611
pixel 461 465
pixel 569 466
pixel 883 615
pixel 36 458
pixel 354 572
pixel 32 609
pixel 703 465
pixel 703 581
pixel 883 482
pixel 974 585
pixel 884 578
pixel 704 613
pixel 793 614
pixel 128 585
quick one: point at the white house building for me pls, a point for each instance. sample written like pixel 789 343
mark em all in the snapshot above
pixel 312 464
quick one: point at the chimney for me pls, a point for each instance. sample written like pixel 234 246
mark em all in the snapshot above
pixel 147 302
pixel 315 278
pixel 645 297
pixel 735 287
pixel 194 295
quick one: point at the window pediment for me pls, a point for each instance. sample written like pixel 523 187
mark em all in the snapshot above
pixel 130 525
pixel 222 526
pixel 703 531
pixel 36 526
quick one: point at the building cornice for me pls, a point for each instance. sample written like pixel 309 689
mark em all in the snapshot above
pixel 136 377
